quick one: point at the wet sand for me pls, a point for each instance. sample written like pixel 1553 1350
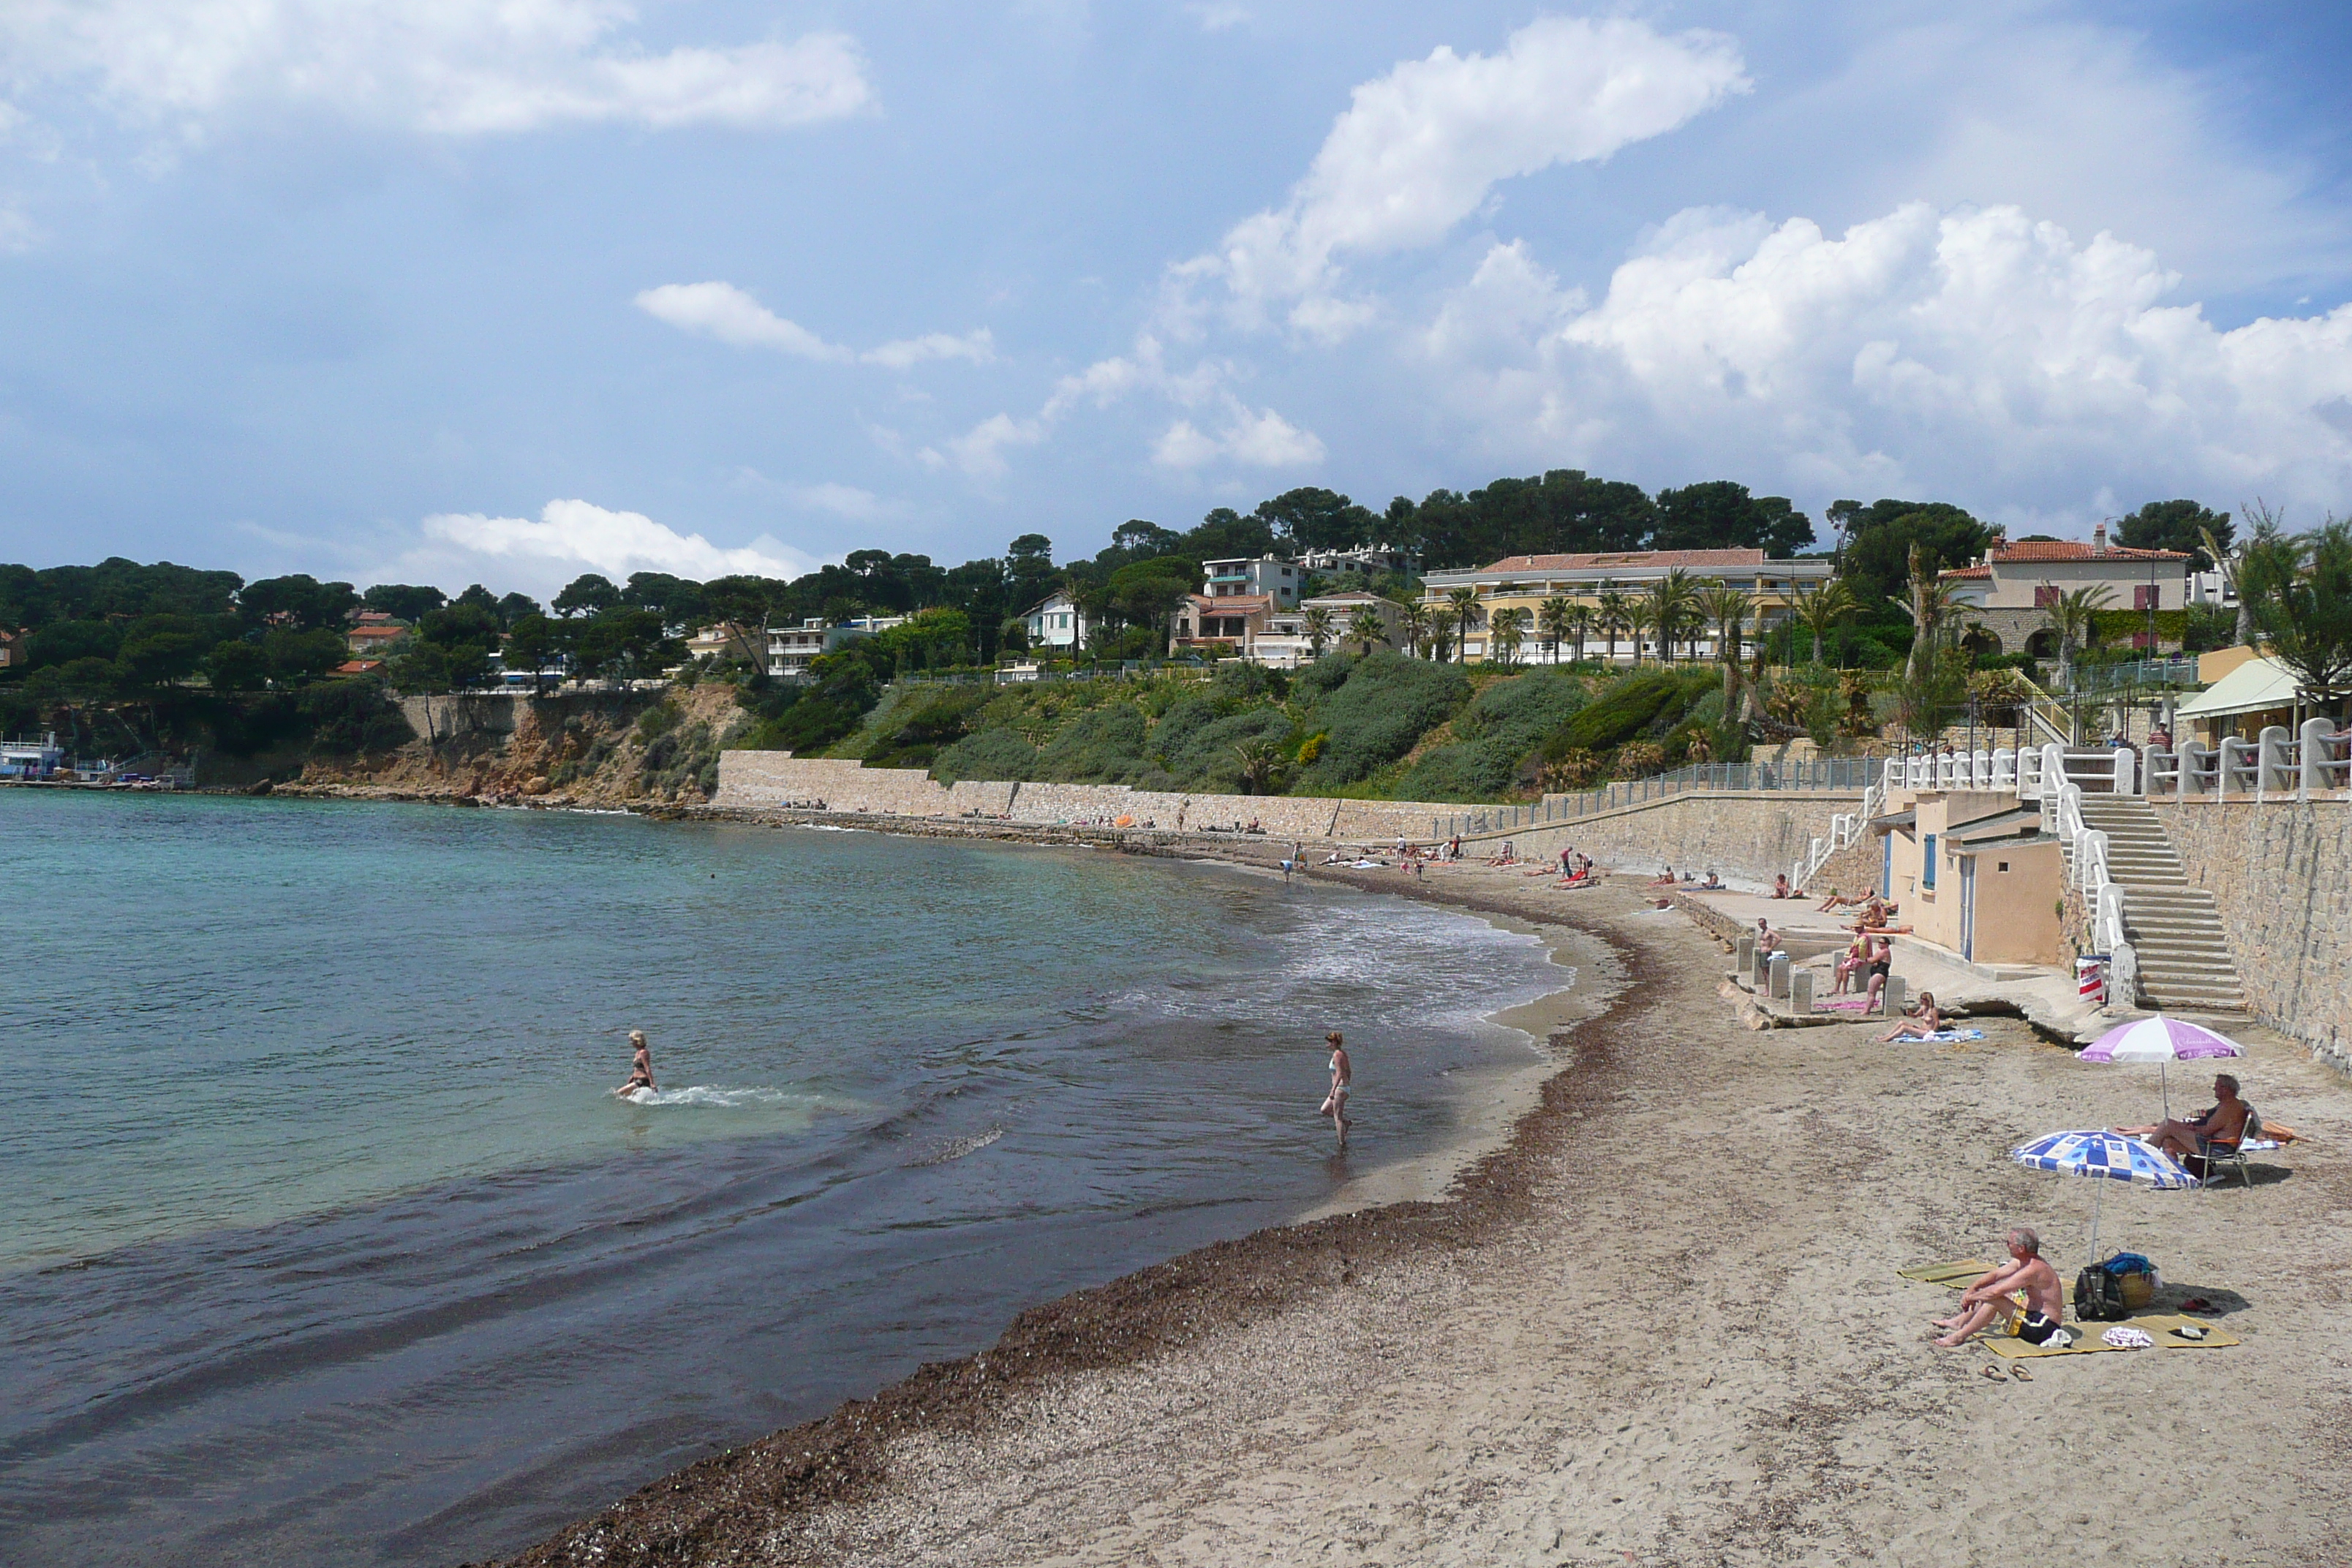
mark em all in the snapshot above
pixel 1660 1325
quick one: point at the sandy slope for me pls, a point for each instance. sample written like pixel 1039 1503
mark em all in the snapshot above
pixel 1663 1328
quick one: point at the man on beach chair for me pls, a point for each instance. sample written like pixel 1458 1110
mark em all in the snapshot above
pixel 2220 1128
pixel 1992 1299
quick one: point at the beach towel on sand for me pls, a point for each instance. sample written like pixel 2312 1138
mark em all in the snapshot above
pixel 2163 1330
pixel 1948 1036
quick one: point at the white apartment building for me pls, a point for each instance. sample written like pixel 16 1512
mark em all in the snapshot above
pixel 1056 621
pixel 1268 577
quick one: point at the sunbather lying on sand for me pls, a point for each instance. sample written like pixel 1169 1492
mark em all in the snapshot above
pixel 1988 1300
pixel 1925 1021
pixel 1836 901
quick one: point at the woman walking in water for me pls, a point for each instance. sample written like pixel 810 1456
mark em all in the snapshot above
pixel 641 1068
pixel 1335 1105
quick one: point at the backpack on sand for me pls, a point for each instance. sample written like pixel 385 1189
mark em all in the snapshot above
pixel 2099 1296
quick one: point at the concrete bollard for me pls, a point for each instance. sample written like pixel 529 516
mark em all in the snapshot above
pixel 1800 990
pixel 1891 999
pixel 1778 970
pixel 1743 961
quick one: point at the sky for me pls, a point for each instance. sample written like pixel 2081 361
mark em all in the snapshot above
pixel 507 291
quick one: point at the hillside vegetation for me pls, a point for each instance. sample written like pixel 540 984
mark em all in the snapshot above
pixel 1381 726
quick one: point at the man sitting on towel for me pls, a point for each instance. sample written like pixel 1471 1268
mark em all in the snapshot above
pixel 1988 1300
pixel 2220 1125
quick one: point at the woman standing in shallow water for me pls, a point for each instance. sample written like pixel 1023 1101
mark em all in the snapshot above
pixel 641 1068
pixel 1335 1105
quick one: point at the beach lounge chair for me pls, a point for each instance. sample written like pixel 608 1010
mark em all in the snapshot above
pixel 2213 1155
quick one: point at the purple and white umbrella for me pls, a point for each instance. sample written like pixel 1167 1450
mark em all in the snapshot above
pixel 2163 1041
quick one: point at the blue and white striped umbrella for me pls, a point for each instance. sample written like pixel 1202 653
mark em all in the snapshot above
pixel 2103 1154
pixel 2108 1155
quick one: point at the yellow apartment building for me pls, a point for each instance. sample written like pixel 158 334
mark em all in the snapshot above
pixel 1525 581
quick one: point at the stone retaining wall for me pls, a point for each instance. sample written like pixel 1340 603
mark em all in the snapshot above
pixel 768 781
pixel 1746 837
pixel 2281 877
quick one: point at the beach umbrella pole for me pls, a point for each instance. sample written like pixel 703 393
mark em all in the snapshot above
pixel 2164 1079
pixel 2098 1190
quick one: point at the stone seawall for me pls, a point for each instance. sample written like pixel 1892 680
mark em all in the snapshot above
pixel 1746 837
pixel 2281 877
pixel 770 780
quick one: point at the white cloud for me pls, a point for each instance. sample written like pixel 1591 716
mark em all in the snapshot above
pixel 570 537
pixel 1974 352
pixel 18 233
pixel 1419 149
pixel 1217 15
pixel 448 67
pixel 843 500
pixel 721 311
pixel 724 311
pixel 978 346
pixel 1259 437
pixel 979 451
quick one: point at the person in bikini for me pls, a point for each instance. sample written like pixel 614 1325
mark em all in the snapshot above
pixel 1922 1026
pixel 1989 1300
pixel 641 1068
pixel 1343 1076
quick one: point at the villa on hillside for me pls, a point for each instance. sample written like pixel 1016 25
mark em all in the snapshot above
pixel 1237 602
pixel 375 634
pixel 14 647
pixel 1055 622
pixel 2011 588
pixel 1286 645
pixel 724 640
pixel 1525 581
pixel 791 649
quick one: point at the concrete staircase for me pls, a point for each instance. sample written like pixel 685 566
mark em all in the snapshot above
pixel 2184 961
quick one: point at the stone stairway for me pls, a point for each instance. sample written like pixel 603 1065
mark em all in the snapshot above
pixel 2184 961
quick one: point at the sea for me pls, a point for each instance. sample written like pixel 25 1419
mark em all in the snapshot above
pixel 326 1240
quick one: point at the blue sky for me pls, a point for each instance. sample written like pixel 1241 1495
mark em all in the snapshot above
pixel 451 291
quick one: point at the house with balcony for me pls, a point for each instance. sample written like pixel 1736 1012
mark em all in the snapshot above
pixel 1268 577
pixel 1057 625
pixel 1368 560
pixel 789 650
pixel 1285 644
pixel 2010 589
pixel 1525 581
pixel 724 641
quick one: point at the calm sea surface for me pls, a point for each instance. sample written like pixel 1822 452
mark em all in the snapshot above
pixel 326 1243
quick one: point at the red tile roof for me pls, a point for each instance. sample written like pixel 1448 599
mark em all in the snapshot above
pixel 2072 549
pixel 1632 560
pixel 1969 571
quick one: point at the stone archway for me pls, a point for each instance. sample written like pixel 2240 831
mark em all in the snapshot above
pixel 1981 641
pixel 2042 643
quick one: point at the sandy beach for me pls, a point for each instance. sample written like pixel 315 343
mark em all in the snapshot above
pixel 1660 1323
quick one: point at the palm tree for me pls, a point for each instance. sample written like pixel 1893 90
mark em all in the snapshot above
pixel 1440 638
pixel 1581 618
pixel 1821 610
pixel 1509 630
pixel 1637 620
pixel 1728 609
pixel 1257 759
pixel 1673 608
pixel 1315 626
pixel 1552 619
pixel 1616 614
pixel 1463 605
pixel 2074 616
pixel 1368 626
pixel 1413 622
pixel 1934 597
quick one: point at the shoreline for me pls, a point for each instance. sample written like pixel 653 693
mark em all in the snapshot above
pixel 1659 1324
pixel 1450 1199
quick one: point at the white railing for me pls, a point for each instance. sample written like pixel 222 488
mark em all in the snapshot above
pixel 2313 761
pixel 1845 827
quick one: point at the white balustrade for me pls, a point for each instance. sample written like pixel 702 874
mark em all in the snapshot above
pixel 2326 759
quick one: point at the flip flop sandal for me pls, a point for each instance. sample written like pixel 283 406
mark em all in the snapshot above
pixel 2022 1375
pixel 1995 1373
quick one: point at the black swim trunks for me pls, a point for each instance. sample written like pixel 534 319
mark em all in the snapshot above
pixel 2036 1329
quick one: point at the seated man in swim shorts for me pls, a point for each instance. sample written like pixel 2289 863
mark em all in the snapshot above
pixel 2222 1124
pixel 1988 1300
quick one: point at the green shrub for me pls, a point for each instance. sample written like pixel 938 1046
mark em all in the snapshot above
pixel 1376 714
pixel 1496 739
pixel 1107 744
pixel 999 754
pixel 1649 701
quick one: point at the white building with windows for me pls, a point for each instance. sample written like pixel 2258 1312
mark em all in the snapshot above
pixel 1269 577
pixel 1056 623
pixel 1286 645
pixel 791 649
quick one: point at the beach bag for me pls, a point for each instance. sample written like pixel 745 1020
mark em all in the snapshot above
pixel 2136 1276
pixel 2099 1296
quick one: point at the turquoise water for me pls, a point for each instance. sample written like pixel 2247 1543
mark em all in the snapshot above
pixel 330 1244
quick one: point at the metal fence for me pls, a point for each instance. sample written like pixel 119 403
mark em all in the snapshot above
pixel 1845 776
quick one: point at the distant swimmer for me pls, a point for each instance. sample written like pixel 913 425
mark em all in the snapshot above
pixel 1343 1076
pixel 641 1070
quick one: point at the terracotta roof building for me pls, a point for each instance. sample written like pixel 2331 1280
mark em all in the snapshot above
pixel 1525 581
pixel 2009 591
